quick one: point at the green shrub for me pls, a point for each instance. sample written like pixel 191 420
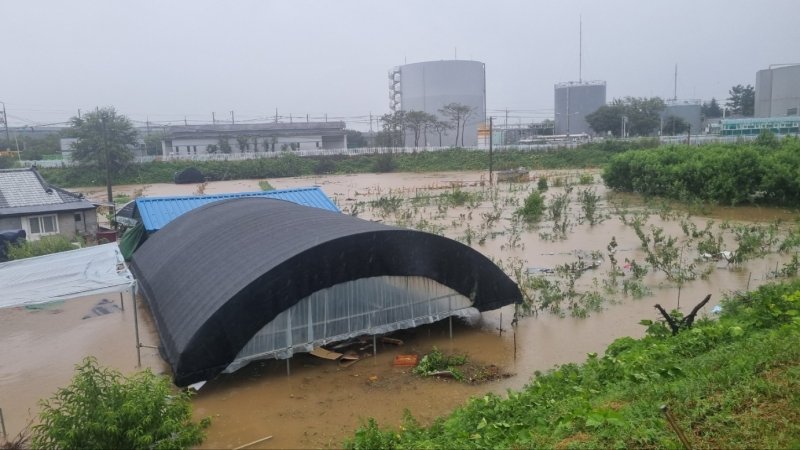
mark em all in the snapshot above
pixel 385 163
pixel 44 246
pixel 101 408
pixel 541 185
pixel 533 208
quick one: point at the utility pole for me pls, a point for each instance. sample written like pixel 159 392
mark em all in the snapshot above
pixel 108 162
pixel 213 118
pixel 290 117
pixel 5 123
pixel 276 115
pixel 490 151
pixel 233 121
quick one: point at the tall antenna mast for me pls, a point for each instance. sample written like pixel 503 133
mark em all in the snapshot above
pixel 580 48
pixel 675 89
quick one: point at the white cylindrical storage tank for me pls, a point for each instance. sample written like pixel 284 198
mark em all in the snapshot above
pixel 429 86
pixel 778 91
pixel 573 102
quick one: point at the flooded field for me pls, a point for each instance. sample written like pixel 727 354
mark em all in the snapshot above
pixel 579 299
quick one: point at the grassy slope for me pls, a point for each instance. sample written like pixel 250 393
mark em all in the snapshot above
pixel 731 383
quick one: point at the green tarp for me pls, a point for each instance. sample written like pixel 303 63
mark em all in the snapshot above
pixel 131 240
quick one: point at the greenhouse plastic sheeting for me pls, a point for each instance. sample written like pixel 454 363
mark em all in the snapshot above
pixel 60 276
pixel 366 306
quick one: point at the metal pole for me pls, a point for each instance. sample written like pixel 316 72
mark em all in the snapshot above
pixel 136 327
pixel 5 122
pixel 374 345
pixel 490 150
pixel 3 424
pixel 451 326
pixel 122 301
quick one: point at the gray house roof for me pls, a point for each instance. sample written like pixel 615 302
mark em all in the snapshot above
pixel 24 191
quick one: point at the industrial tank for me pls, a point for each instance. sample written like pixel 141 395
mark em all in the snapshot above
pixel 778 91
pixel 688 110
pixel 429 86
pixel 574 101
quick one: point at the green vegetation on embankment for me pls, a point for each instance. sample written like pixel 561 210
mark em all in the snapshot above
pixel 766 171
pixel 730 383
pixel 290 165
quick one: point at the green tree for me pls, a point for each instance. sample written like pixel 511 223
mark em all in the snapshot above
pixel 152 143
pixel 243 142
pixel 457 115
pixel 742 100
pixel 711 110
pixel 394 125
pixel 104 140
pixel 355 139
pixel 418 122
pixel 101 408
pixel 674 125
pixel 642 116
pixel 440 127
pixel 224 144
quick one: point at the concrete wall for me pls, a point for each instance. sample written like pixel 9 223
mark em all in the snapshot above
pixel 429 86
pixel 573 102
pixel 778 92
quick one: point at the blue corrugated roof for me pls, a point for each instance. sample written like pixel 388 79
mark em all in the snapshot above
pixel 156 212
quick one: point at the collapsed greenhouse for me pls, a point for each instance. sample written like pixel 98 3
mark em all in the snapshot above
pixel 255 278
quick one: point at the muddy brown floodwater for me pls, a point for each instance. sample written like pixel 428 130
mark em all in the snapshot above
pixel 319 403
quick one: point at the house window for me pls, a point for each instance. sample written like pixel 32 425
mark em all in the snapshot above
pixel 41 225
pixel 194 149
pixel 78 217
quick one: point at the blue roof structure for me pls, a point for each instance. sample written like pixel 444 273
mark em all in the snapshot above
pixel 156 212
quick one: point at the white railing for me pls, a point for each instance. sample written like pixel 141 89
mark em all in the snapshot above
pixel 695 140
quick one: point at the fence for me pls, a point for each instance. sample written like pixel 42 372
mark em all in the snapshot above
pixel 695 140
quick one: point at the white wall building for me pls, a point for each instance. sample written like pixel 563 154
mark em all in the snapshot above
pixel 257 137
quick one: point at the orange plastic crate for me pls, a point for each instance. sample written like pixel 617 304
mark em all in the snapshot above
pixel 406 360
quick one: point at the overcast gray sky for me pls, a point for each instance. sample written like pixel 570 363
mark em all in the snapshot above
pixel 166 60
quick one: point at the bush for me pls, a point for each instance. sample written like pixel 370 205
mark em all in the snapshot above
pixel 541 185
pixel 385 163
pixel 44 246
pixel 101 408
pixel 533 209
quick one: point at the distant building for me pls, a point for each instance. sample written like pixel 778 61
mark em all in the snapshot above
pixel 29 203
pixel 690 111
pixel 754 126
pixel 429 86
pixel 573 102
pixel 252 137
pixel 778 91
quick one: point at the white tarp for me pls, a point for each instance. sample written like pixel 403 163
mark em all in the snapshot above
pixel 60 276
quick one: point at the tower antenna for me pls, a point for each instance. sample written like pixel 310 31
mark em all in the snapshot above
pixel 580 48
pixel 675 89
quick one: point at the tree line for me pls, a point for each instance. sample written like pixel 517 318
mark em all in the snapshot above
pixel 397 124
pixel 642 116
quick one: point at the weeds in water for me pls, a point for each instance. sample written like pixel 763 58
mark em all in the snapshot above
pixel 589 202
